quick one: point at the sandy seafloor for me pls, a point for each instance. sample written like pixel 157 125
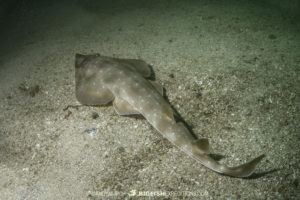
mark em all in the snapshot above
pixel 230 68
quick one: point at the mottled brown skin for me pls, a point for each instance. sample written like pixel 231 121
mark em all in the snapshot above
pixel 100 80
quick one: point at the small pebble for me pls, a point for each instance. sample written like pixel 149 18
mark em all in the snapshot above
pixel 95 115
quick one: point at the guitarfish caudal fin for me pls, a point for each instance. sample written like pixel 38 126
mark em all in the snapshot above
pixel 200 151
pixel 243 170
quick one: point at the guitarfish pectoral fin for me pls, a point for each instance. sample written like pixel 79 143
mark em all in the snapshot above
pixel 122 107
pixel 139 66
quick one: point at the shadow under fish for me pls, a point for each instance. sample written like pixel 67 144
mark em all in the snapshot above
pixel 101 80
